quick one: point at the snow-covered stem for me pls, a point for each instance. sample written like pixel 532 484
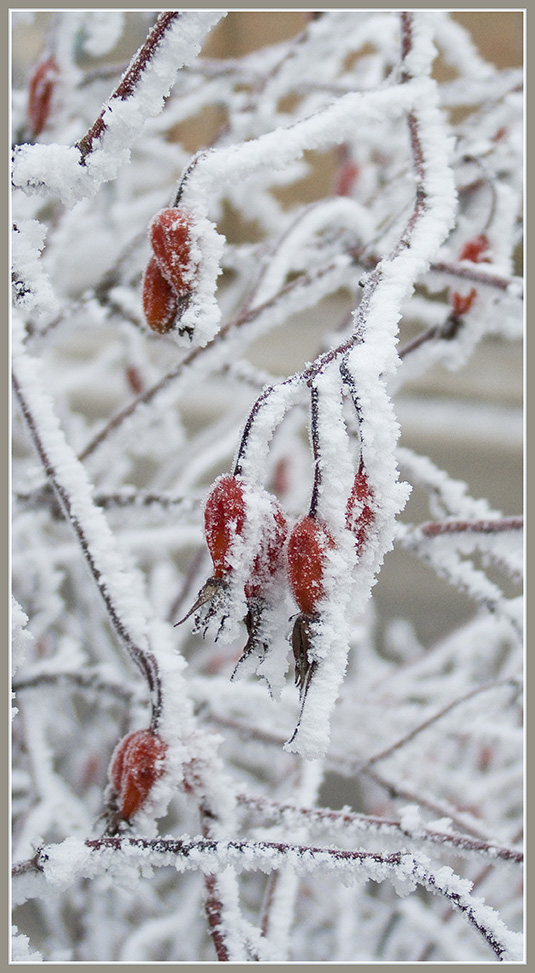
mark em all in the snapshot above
pixel 322 819
pixel 206 853
pixel 71 486
pixel 349 765
pixel 434 528
pixel 513 684
pixel 130 80
pixel 200 359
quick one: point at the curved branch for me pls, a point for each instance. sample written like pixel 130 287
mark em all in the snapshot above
pixel 68 479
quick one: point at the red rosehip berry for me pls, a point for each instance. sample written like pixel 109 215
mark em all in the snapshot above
pixel 462 303
pixel 170 237
pixel 346 178
pixel 475 250
pixel 359 510
pixel 224 518
pixel 269 557
pixel 308 544
pixel 160 300
pixel 41 90
pixel 137 762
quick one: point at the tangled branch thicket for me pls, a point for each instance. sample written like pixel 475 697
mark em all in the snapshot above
pixel 201 661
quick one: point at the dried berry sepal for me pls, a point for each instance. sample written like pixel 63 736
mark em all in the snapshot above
pixel 257 644
pixel 302 636
pixel 305 667
pixel 213 594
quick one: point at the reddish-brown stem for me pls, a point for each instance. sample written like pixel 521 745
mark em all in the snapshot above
pixel 435 528
pixel 129 81
pixel 275 811
pixel 212 908
pixel 388 751
pixel 213 905
pixel 275 853
pixel 314 438
pixel 349 765
pixel 477 276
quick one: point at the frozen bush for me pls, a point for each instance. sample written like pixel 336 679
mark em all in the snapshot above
pixel 201 664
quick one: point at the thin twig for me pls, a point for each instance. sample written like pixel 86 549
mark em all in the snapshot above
pixel 325 817
pixel 129 81
pixel 490 526
pixel 388 751
pixel 144 660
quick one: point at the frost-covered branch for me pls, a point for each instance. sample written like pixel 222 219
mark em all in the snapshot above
pixel 73 172
pixel 73 490
pixel 345 822
pixel 405 871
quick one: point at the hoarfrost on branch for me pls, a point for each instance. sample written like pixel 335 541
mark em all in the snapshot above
pixel 212 369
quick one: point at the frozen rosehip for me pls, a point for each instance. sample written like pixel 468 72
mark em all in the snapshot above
pixel 270 555
pixel 462 303
pixel 137 762
pixel 224 518
pixel 359 510
pixel 308 544
pixel 41 90
pixel 160 300
pixel 476 250
pixel 170 237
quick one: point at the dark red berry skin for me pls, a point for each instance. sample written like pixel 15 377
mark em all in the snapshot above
pixel 41 89
pixel 170 237
pixel 137 762
pixel 308 544
pixel 270 556
pixel 224 518
pixel 160 301
pixel 359 510
pixel 462 303
pixel 476 250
